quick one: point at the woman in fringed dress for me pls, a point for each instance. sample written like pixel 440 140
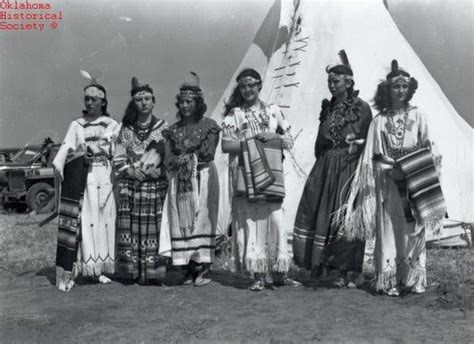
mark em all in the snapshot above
pixel 399 131
pixel 259 238
pixel 87 228
pixel 192 200
pixel 142 186
pixel 344 122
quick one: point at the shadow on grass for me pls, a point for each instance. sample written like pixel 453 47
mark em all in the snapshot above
pixel 49 272
pixel 228 279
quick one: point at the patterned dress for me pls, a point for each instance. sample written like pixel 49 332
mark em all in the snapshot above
pixel 400 253
pixel 192 201
pixel 140 205
pixel 96 252
pixel 316 238
pixel 259 237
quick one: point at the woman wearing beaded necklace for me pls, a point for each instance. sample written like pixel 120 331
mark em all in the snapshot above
pixel 142 188
pixel 259 237
pixel 343 125
pixel 398 129
pixel 190 212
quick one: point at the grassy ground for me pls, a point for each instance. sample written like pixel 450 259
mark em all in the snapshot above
pixel 32 310
pixel 25 247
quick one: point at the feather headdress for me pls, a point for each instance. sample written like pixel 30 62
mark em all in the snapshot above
pixel 191 86
pixel 93 89
pixel 137 87
pixel 341 67
pixel 397 73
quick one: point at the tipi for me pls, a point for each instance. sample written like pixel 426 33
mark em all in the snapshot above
pixel 295 43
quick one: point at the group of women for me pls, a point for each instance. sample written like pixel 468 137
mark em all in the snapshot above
pixel 137 201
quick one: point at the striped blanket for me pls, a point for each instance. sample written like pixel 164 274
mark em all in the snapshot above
pixel 72 191
pixel 261 170
pixel 423 189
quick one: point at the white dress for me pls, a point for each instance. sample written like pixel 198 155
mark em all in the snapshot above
pixel 96 253
pixel 259 236
pixel 400 253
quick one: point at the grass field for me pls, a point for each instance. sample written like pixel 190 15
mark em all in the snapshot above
pixel 32 310
pixel 25 247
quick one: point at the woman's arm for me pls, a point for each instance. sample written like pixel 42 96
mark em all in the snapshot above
pixel 284 130
pixel 230 134
pixel 230 146
pixel 68 146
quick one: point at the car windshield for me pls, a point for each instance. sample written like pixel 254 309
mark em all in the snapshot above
pixel 26 154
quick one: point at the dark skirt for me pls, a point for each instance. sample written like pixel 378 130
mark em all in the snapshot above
pixel 139 223
pixel 316 240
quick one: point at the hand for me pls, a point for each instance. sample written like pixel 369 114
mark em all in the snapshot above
pixel 352 139
pixel 136 173
pixel 265 136
pixel 155 173
pixel 89 155
pixel 383 159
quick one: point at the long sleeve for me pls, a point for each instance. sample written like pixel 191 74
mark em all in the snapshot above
pixel 121 159
pixel 68 147
pixel 424 138
pixel 366 120
pixel 284 129
pixel 364 125
pixel 423 131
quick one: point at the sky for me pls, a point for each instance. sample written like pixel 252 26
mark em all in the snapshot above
pixel 160 41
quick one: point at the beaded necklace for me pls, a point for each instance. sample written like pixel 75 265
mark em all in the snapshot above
pixel 336 122
pixel 262 120
pixel 144 130
pixel 398 132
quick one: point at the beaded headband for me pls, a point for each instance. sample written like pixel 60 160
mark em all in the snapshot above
pixel 93 91
pixel 397 74
pixel 250 79
pixel 190 88
pixel 344 62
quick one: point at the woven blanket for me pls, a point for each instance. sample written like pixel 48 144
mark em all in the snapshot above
pixel 72 191
pixel 424 193
pixel 261 164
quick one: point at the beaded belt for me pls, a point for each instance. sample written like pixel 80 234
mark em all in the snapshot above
pixel 100 160
pixel 396 153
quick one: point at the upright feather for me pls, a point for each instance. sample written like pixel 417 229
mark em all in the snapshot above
pixel 344 59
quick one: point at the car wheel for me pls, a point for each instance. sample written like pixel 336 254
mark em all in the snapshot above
pixel 37 194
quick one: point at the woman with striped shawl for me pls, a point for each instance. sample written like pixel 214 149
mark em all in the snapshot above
pixel 142 188
pixel 259 238
pixel 381 199
pixel 192 200
pixel 86 237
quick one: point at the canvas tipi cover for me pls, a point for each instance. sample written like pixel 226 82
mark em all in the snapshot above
pixel 295 43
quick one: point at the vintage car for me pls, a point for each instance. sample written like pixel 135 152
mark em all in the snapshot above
pixel 6 154
pixel 30 177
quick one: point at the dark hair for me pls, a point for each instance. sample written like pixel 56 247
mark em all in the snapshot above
pixel 140 88
pixel 236 99
pixel 382 98
pixel 131 113
pixel 199 110
pixel 104 100
pixel 341 69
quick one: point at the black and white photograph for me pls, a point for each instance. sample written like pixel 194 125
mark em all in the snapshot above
pixel 236 171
